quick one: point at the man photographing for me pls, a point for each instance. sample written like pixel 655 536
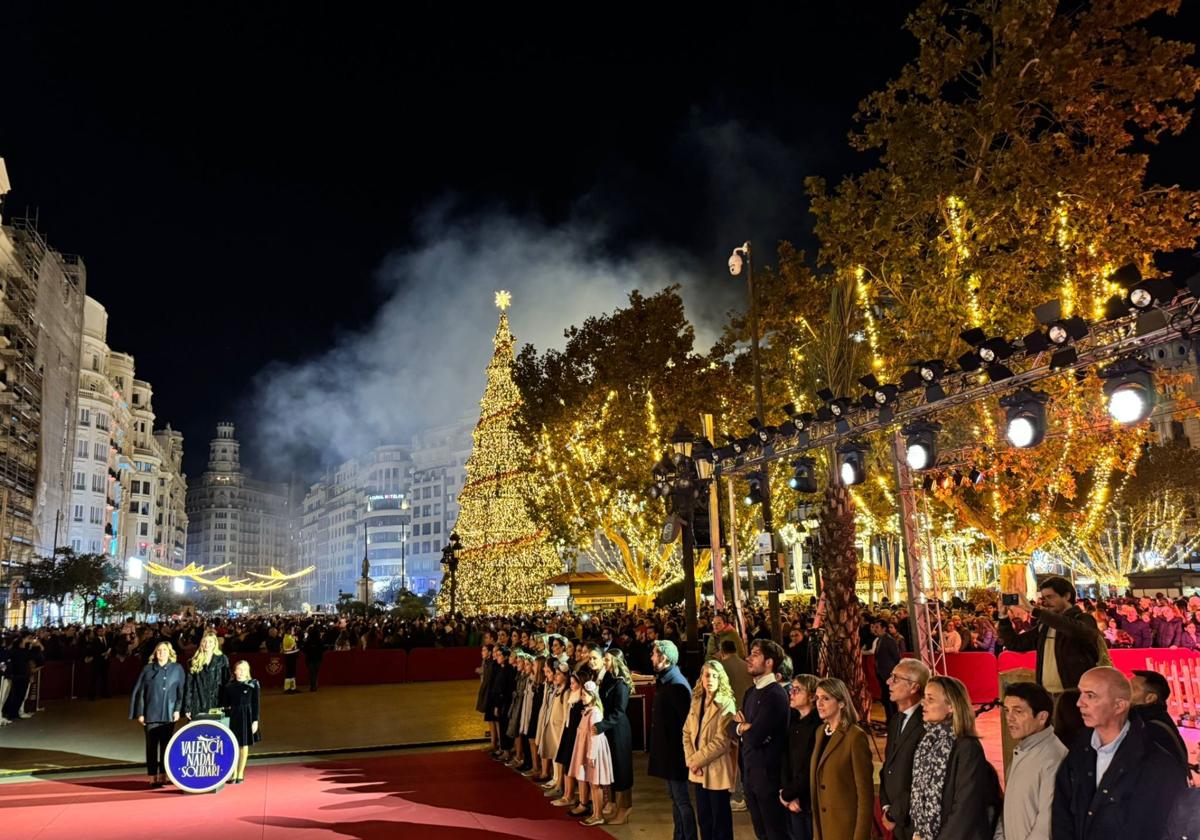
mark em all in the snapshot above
pixel 1066 638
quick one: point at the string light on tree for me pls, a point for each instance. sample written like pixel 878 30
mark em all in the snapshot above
pixel 505 558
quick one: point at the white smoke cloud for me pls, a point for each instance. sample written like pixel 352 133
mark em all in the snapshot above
pixel 421 361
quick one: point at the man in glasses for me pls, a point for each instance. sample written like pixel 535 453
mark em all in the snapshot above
pixel 906 689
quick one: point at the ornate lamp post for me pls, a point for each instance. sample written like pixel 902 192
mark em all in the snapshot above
pixel 450 565
pixel 679 479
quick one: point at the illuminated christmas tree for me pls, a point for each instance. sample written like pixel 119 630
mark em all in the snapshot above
pixel 505 558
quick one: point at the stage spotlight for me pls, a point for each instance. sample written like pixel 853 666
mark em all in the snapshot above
pixel 1060 332
pixel 835 409
pixel 1025 415
pixel 763 434
pixel 988 353
pixel 1140 294
pixel 804 476
pixel 1129 389
pixel 920 445
pixel 754 494
pixel 852 463
pixel 881 397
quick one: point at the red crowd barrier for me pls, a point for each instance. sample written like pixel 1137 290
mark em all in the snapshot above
pixel 457 663
pixel 978 671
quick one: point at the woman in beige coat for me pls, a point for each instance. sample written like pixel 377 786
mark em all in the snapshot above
pixel 708 751
pixel 843 790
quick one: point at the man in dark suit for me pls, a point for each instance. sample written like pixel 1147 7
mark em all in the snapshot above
pixel 1116 781
pixel 672 701
pixel 762 727
pixel 887 655
pixel 905 687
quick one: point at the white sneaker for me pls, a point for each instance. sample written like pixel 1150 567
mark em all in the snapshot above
pixel 738 805
pixel 25 716
pixel 4 721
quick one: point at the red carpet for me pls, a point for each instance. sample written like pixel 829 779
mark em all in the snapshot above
pixel 431 796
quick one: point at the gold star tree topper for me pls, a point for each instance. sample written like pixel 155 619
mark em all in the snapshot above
pixel 503 299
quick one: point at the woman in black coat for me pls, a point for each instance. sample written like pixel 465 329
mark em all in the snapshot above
pixel 955 792
pixel 156 703
pixel 207 675
pixel 240 698
pixel 796 773
pixel 314 652
pixel 615 689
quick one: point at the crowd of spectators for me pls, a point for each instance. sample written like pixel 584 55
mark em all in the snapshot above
pixel 758 730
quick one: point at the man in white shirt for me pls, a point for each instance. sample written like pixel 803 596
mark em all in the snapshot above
pixel 906 689
pixel 1029 788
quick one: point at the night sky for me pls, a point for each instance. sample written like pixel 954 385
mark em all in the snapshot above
pixel 234 177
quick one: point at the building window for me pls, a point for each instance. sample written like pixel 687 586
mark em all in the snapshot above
pixel 81 449
pixel 78 513
pixel 76 546
pixel 100 452
pixel 97 515
pixel 80 481
pixel 437 527
pixel 101 420
pixel 97 483
pixel 85 417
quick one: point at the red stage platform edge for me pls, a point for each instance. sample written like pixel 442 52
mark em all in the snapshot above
pixel 433 796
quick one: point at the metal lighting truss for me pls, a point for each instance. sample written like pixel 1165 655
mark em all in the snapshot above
pixel 1105 342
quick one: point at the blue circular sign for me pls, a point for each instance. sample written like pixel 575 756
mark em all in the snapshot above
pixel 201 756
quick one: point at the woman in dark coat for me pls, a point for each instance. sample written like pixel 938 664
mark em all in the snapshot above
pixel 500 697
pixel 487 672
pixel 615 689
pixel 207 674
pixel 803 724
pixel 156 703
pixel 955 792
pixel 314 652
pixel 240 698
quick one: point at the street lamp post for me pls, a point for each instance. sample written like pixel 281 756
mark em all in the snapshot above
pixel 365 582
pixel 741 261
pixel 404 506
pixel 679 481
pixel 450 563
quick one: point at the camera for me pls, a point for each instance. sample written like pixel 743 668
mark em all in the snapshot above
pixel 1010 599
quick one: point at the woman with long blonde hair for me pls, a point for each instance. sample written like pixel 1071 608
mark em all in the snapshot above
pixel 955 792
pixel 708 750
pixel 241 698
pixel 841 782
pixel 207 674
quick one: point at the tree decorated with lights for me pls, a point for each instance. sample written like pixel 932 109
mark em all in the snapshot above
pixel 505 558
pixel 1012 173
pixel 603 409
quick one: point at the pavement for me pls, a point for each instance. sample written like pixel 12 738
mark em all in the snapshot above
pixel 81 734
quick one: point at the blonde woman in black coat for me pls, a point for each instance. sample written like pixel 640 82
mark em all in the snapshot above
pixel 207 674
pixel 955 792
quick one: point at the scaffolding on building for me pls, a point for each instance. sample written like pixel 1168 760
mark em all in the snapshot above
pixel 20 399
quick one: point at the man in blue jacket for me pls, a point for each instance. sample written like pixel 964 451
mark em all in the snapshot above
pixel 761 726
pixel 1117 781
